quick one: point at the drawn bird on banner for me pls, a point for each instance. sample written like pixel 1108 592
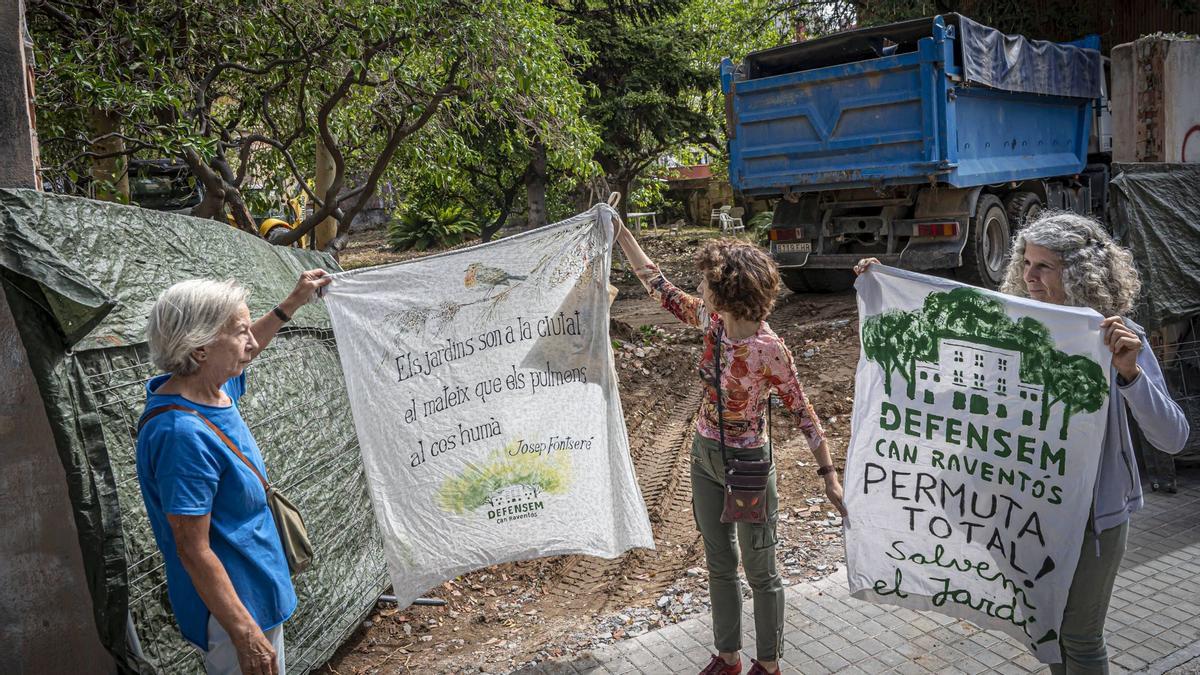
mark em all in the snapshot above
pixel 480 274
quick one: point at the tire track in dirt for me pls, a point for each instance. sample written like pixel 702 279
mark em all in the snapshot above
pixel 589 584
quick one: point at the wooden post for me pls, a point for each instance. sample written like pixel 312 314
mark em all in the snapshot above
pixel 18 143
pixel 45 607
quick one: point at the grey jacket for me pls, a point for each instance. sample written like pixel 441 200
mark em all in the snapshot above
pixel 1118 487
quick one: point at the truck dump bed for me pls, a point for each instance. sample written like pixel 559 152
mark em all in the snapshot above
pixel 942 99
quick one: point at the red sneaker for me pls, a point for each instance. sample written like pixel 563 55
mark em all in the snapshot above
pixel 718 667
pixel 757 669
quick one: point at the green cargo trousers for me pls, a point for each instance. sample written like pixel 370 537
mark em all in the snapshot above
pixel 721 544
pixel 1082 635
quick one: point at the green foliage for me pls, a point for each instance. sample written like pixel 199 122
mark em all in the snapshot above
pixel 898 340
pixel 412 93
pixel 646 88
pixel 649 333
pixel 759 227
pixel 649 194
pixel 436 227
pixel 473 487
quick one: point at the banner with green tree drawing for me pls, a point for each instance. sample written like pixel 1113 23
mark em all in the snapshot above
pixel 978 419
pixel 485 401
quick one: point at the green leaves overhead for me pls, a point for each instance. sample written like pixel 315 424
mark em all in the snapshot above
pixel 250 87
pixel 408 95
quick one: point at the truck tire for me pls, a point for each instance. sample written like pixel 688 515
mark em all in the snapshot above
pixel 818 281
pixel 796 281
pixel 1022 208
pixel 985 256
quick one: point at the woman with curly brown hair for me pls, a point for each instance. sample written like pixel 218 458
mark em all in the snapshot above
pixel 744 361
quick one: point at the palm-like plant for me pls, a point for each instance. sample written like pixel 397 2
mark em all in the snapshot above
pixel 438 227
pixel 759 227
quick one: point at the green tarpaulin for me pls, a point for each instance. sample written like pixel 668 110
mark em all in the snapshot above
pixel 1155 211
pixel 80 277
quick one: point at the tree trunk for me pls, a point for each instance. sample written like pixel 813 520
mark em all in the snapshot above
pixel 1046 405
pixel 242 218
pixel 240 212
pixel 213 204
pixel 510 195
pixel 327 229
pixel 535 186
pixel 622 183
pixel 111 174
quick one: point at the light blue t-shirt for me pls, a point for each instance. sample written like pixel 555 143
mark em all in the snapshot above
pixel 185 469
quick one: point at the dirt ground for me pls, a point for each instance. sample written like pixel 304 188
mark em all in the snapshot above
pixel 505 617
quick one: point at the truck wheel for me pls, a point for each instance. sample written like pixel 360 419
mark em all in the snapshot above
pixel 818 281
pixel 1022 208
pixel 986 252
pixel 796 281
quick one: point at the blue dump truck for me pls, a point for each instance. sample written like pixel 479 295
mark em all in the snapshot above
pixel 924 143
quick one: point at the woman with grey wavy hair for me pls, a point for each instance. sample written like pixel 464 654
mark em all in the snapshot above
pixel 1093 271
pixel 1067 259
pixel 227 576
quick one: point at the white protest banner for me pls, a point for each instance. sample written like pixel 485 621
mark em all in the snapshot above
pixel 485 401
pixel 977 425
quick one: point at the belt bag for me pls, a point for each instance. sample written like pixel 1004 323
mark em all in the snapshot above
pixel 745 480
pixel 293 535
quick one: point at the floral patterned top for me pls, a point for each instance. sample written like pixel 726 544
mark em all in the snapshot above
pixel 751 368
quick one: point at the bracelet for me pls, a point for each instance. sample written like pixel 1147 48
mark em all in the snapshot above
pixel 825 470
pixel 280 314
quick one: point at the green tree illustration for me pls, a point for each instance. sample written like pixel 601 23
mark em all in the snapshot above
pixel 472 488
pixel 1031 337
pixel 1075 381
pixel 897 340
pixel 967 314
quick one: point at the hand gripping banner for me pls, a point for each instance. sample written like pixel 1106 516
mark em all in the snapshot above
pixel 486 405
pixel 978 419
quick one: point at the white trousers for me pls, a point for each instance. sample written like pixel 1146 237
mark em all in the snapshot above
pixel 221 657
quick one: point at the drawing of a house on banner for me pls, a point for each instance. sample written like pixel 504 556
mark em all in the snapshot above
pixel 982 377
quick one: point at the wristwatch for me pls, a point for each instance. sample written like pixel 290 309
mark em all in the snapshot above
pixel 280 314
pixel 825 470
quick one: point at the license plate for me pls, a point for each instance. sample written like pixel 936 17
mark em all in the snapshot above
pixel 794 247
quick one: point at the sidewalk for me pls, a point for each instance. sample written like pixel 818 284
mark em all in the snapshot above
pixel 1153 621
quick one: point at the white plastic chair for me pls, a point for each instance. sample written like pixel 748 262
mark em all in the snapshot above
pixel 714 217
pixel 731 224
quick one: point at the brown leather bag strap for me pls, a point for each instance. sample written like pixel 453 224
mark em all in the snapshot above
pixel 220 434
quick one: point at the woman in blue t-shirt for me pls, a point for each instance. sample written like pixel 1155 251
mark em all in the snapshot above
pixel 227 576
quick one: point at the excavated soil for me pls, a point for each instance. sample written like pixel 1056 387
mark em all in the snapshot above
pixel 506 617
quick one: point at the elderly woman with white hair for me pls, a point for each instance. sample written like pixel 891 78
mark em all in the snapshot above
pixel 1068 259
pixel 227 576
